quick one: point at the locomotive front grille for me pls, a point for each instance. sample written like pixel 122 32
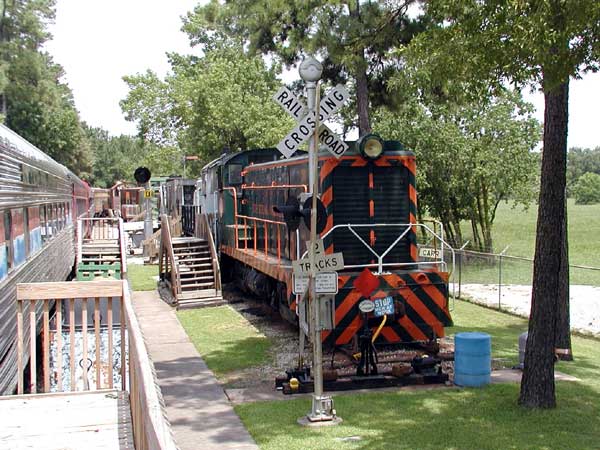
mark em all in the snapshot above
pixel 370 195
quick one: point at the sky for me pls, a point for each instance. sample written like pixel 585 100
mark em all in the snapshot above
pixel 99 41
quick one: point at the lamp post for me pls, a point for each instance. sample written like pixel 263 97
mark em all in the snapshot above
pixel 322 406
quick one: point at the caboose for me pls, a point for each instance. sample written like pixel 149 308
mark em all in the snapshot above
pixel 370 199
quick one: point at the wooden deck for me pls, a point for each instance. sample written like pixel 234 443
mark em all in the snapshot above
pixel 66 421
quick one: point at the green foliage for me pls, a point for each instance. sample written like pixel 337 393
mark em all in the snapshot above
pixel 222 99
pixel 33 100
pixel 470 156
pixel 580 161
pixel 587 189
pixel 353 38
pixel 477 418
pixel 226 341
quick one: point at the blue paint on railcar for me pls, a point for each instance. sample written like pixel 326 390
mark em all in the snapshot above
pixel 19 252
pixel 3 261
pixel 35 240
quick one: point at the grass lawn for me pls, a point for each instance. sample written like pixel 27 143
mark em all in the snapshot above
pixel 515 227
pixel 226 341
pixel 483 418
pixel 140 276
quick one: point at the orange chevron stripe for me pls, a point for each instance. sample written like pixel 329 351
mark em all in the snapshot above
pixel 412 194
pixel 350 331
pixel 328 167
pixel 432 291
pixel 327 196
pixel 393 280
pixel 346 306
pixel 328 225
pixel 384 161
pixel 342 280
pixel 410 164
pixel 412 329
pixel 390 335
pixel 360 162
pixel 329 249
pixel 427 316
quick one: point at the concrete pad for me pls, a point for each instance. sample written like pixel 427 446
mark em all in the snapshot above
pixel 514 376
pixel 200 413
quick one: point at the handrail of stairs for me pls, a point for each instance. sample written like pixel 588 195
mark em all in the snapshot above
pixel 203 231
pixel 166 245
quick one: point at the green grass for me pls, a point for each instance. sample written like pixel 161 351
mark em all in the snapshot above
pixel 515 227
pixel 226 341
pixel 140 276
pixel 483 418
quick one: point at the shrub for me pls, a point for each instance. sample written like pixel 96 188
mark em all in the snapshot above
pixel 587 189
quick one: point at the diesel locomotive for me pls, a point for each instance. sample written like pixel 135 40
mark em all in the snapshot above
pixel 370 202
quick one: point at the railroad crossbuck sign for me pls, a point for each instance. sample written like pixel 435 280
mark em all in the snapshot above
pixel 323 262
pixel 307 123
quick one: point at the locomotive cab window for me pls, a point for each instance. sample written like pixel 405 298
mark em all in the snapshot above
pixel 235 173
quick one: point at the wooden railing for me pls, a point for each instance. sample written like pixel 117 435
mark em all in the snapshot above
pixel 111 311
pixel 203 231
pixel 151 245
pixel 102 229
pixel 166 261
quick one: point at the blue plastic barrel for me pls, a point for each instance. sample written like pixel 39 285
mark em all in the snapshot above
pixel 472 359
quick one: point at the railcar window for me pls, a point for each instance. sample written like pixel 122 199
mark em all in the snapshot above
pixel 235 174
pixel 43 233
pixel 17 234
pixel 3 251
pixel 61 216
pixel 26 234
pixel 35 235
pixel 7 240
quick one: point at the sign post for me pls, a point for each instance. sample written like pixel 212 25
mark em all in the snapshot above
pixel 322 406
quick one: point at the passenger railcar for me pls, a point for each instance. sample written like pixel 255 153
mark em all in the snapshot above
pixel 371 205
pixel 40 200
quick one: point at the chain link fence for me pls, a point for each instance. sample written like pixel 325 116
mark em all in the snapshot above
pixel 504 282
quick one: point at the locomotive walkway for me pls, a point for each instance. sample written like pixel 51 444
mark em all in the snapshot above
pixel 200 414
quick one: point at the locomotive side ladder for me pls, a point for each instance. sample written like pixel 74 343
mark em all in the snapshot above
pixel 190 266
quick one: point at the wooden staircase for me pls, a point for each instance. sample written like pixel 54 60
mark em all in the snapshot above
pixel 100 249
pixel 190 266
pixel 196 274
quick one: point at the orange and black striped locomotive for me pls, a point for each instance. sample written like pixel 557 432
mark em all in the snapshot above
pixel 371 208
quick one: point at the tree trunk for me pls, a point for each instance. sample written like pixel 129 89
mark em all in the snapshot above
pixel 537 385
pixel 563 322
pixel 362 96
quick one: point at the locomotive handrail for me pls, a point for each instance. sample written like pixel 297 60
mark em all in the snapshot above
pixel 266 227
pixel 276 186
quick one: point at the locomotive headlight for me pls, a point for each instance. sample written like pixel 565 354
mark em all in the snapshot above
pixel 370 146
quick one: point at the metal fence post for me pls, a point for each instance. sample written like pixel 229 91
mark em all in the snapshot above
pixel 500 276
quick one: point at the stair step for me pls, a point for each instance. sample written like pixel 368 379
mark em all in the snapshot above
pixel 187 271
pixel 200 303
pixel 181 260
pixel 187 240
pixel 190 249
pixel 196 286
pixel 206 277
pixel 195 265
pixel 199 293
pixel 202 252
